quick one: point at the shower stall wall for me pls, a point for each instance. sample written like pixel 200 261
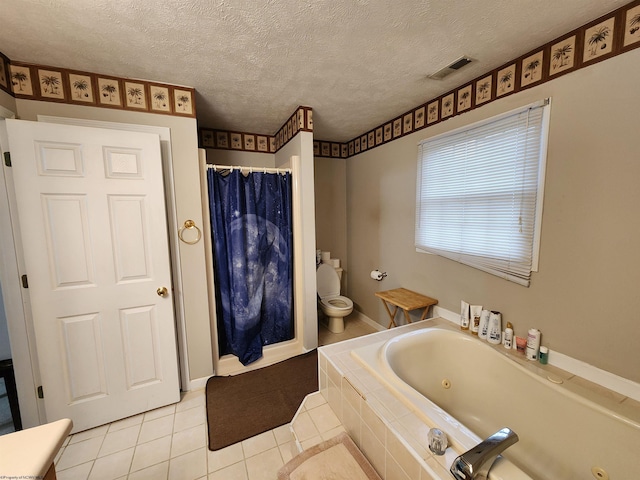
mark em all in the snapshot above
pixel 304 320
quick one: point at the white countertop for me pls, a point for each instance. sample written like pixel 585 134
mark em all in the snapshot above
pixel 30 452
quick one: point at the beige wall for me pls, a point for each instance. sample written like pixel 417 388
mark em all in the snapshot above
pixel 7 101
pixel 184 145
pixel 240 158
pixel 584 298
pixel 331 211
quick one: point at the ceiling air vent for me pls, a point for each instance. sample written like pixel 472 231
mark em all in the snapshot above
pixel 449 69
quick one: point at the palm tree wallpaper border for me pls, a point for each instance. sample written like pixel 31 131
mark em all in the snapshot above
pixel 183 101
pixel 37 82
pixel 464 98
pixel 532 70
pixel 4 76
pixel 109 92
pixel 21 83
pixel 51 85
pixel 483 89
pixel 563 55
pixel 599 40
pixel 135 95
pixel 632 26
pixel 607 36
pixel 159 96
pixel 81 88
pixel 300 121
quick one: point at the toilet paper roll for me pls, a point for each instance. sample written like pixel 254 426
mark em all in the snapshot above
pixel 376 275
pixel 326 256
pixel 335 262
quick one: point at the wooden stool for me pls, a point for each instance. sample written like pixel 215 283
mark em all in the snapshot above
pixel 6 372
pixel 407 301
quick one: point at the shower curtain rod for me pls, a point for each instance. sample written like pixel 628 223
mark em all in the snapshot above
pixel 231 168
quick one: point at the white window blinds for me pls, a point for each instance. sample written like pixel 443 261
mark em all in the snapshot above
pixel 479 193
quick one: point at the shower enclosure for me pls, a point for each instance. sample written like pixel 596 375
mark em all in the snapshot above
pixel 252 258
pixel 291 326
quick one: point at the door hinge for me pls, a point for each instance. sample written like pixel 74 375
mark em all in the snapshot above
pixel 7 159
pixel 40 392
pixel 25 282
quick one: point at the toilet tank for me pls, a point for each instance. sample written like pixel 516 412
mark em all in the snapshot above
pixel 339 271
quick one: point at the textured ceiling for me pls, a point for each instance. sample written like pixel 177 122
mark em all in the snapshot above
pixel 357 63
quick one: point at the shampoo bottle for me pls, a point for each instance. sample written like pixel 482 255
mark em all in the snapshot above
pixel 484 324
pixel 476 310
pixel 464 315
pixel 508 336
pixel 533 344
pixel 495 328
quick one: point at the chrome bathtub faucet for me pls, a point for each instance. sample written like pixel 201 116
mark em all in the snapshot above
pixel 475 463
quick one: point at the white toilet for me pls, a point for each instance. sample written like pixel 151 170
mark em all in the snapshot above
pixel 333 305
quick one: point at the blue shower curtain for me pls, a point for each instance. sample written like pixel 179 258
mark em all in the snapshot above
pixel 253 260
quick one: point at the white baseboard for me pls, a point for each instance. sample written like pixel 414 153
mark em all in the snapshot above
pixel 197 384
pixel 368 321
pixel 609 380
pixel 446 314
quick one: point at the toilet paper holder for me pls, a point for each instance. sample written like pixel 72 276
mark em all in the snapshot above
pixel 378 275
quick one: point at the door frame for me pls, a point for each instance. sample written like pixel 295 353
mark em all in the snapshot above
pixel 26 366
pixel 16 299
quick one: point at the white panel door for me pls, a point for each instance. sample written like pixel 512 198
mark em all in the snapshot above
pixel 91 210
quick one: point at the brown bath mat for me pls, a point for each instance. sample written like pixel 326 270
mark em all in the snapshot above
pixel 241 406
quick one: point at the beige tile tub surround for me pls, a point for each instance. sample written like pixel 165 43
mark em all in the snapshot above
pixel 389 435
pixel 393 438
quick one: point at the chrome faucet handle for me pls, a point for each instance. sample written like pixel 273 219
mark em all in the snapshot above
pixel 438 442
pixel 475 463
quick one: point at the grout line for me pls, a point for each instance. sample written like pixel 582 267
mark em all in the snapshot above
pixel 355 332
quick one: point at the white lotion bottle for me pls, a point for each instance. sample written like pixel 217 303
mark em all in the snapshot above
pixel 484 324
pixel 464 315
pixel 508 336
pixel 495 328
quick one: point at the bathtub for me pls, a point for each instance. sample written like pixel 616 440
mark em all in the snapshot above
pixel 470 390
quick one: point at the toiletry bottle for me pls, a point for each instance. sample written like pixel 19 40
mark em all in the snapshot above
pixel 533 344
pixel 508 336
pixel 544 355
pixel 495 328
pixel 464 315
pixel 474 322
pixel 483 330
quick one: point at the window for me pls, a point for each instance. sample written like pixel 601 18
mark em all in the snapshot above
pixel 479 193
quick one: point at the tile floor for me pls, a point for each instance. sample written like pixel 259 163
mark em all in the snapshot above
pixel 171 442
pixel 353 327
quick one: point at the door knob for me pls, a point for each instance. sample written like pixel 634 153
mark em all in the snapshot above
pixel 162 291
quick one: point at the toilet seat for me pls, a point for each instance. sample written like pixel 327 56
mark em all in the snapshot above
pixel 332 304
pixel 337 302
pixel 328 281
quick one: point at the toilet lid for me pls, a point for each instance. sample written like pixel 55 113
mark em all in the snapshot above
pixel 328 281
